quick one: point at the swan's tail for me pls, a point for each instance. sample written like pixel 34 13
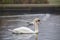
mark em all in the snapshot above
pixel 9 30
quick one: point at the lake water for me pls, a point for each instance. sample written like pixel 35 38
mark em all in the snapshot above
pixel 49 28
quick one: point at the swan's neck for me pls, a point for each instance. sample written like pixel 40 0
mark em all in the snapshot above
pixel 36 27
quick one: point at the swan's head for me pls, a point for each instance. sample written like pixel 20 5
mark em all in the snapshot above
pixel 37 20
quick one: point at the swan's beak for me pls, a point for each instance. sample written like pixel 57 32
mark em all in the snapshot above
pixel 38 21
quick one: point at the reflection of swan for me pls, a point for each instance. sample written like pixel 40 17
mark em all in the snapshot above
pixel 36 36
pixel 22 36
pixel 27 30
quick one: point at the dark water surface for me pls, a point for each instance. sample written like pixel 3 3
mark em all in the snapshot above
pixel 49 29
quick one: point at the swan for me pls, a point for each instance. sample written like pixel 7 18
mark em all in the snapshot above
pixel 36 22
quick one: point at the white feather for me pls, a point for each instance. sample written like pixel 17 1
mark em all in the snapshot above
pixel 25 29
pixel 22 30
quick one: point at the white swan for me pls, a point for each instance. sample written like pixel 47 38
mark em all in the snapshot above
pixel 27 30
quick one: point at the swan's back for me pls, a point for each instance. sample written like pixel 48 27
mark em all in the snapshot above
pixel 23 30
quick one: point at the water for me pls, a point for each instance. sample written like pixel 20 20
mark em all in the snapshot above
pixel 49 29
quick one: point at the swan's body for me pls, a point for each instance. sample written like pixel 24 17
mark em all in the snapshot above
pixel 22 30
pixel 27 30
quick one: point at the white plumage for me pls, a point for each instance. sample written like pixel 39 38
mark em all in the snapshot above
pixel 25 29
pixel 22 30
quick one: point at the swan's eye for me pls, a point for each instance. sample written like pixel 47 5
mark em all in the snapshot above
pixel 38 20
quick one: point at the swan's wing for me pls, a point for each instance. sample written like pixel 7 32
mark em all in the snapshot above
pixel 23 30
